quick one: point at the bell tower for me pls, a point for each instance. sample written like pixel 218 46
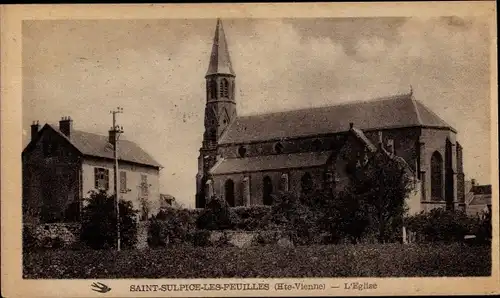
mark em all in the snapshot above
pixel 220 107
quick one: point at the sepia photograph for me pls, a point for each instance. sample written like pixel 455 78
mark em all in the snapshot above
pixel 261 148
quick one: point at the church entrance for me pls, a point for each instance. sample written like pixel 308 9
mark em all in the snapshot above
pixel 267 191
pixel 229 192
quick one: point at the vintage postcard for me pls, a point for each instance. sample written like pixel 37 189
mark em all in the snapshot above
pixel 307 149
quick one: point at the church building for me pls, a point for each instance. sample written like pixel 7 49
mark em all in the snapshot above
pixel 245 159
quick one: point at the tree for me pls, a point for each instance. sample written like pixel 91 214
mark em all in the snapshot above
pixel 99 222
pixel 217 216
pixel 294 216
pixel 379 190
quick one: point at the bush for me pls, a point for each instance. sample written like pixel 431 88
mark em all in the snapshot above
pixel 250 218
pixel 99 222
pixel 171 225
pixel 217 216
pixel 29 239
pixel 321 261
pixel 293 217
pixel 200 238
pixel 483 228
pixel 441 225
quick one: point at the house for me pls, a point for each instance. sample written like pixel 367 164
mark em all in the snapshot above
pixel 61 165
pixel 478 198
pixel 245 159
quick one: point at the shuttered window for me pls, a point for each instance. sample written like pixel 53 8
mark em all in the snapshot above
pixel 123 181
pixel 101 177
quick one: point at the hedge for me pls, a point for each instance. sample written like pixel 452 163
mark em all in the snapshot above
pixel 440 225
pixel 271 261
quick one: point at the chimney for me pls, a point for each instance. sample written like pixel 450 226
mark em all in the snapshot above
pixel 35 127
pixel 473 182
pixel 351 125
pixel 112 136
pixel 66 126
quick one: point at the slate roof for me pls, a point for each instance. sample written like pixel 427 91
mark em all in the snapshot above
pixel 481 195
pixel 481 200
pixel 388 112
pixel 270 162
pixel 481 189
pixel 95 145
pixel 220 61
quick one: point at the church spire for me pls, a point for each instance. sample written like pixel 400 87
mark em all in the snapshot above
pixel 220 62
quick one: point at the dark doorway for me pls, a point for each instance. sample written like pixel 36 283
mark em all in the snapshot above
pixel 229 192
pixel 267 191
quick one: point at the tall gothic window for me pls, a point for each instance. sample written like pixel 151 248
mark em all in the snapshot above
pixel 267 191
pixel 229 192
pixel 436 176
pixel 224 85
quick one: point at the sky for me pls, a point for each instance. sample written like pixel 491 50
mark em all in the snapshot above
pixel 154 70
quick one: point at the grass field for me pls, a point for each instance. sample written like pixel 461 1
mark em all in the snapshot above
pixel 394 260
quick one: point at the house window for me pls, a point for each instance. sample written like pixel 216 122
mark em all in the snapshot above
pixel 123 182
pixel 144 186
pixel 101 177
pixel 436 176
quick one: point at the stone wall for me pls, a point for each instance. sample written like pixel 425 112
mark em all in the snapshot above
pixel 45 235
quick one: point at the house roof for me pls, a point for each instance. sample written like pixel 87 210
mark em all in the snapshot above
pixel 481 200
pixel 481 189
pixel 95 145
pixel 382 113
pixel 270 162
pixel 220 61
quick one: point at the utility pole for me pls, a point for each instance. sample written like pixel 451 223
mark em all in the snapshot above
pixel 116 130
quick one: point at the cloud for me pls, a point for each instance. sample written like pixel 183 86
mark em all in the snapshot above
pixel 155 70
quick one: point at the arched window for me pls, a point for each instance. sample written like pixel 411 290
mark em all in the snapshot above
pixel 224 85
pixel 436 176
pixel 278 148
pixel 232 89
pixel 306 183
pixel 229 192
pixel 267 198
pixel 242 151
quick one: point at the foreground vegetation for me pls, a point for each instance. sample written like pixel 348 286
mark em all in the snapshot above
pixel 377 260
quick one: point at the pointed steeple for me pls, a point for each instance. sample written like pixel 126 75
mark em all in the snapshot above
pixel 220 62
